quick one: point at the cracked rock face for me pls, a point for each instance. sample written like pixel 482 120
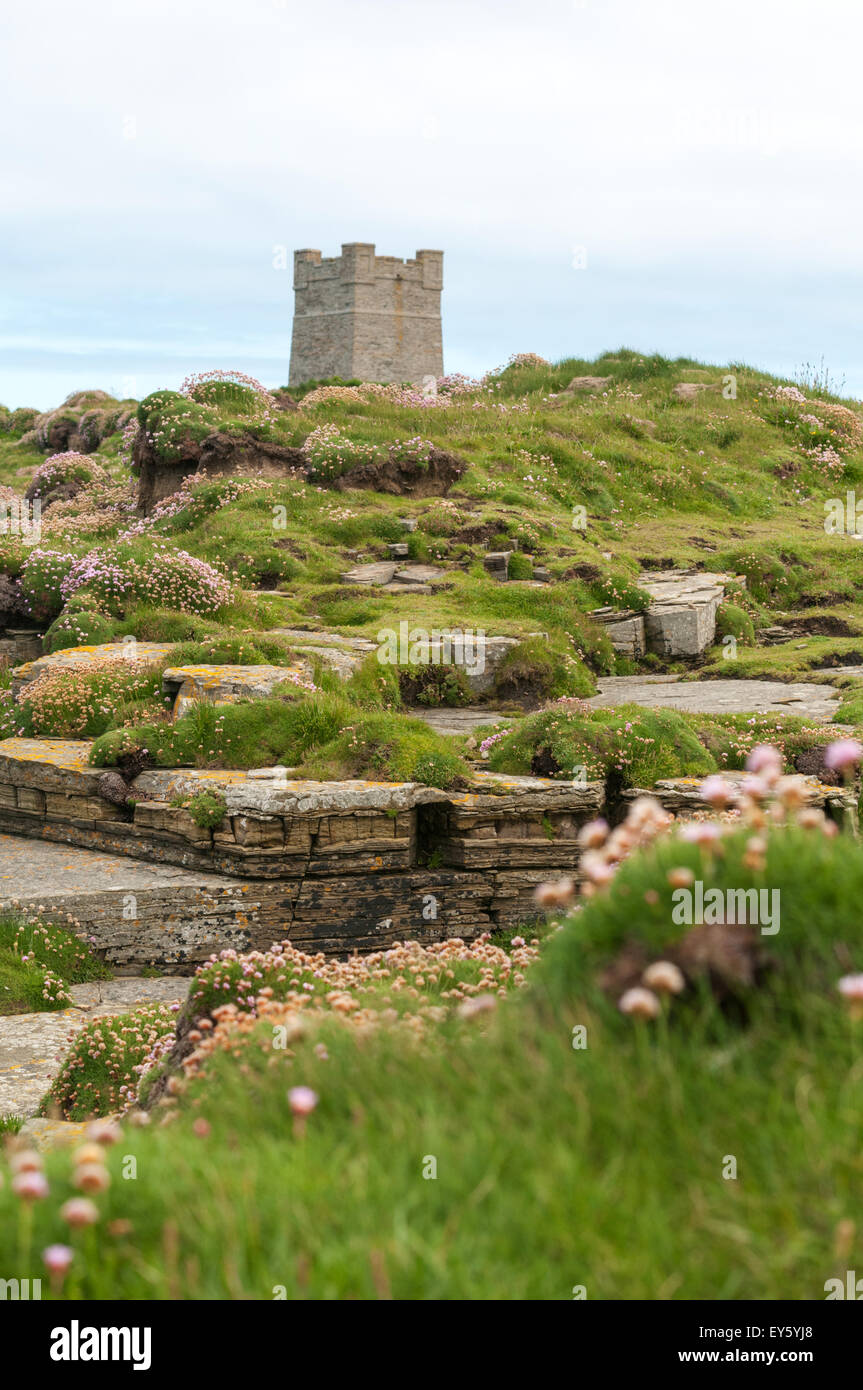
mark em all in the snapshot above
pixel 680 620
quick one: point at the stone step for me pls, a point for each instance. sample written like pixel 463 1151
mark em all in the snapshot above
pixel 456 721
pixel 224 684
pixel 139 913
pixel 817 703
pixel 680 620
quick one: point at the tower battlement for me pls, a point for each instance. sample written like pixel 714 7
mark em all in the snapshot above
pixel 362 315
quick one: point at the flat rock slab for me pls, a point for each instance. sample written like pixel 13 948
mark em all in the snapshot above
pixel 380 572
pixel 818 703
pixel 139 910
pixel 418 574
pixel 683 586
pixel 32 1046
pixel 301 637
pixel 592 385
pixel 51 764
pixel 224 685
pixel 457 721
pixel 41 871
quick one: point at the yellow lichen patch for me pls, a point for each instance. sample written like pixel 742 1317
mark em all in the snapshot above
pixel 67 753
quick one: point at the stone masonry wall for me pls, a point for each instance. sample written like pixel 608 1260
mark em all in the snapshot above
pixel 361 315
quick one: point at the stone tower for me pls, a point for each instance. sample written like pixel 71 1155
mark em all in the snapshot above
pixel 367 316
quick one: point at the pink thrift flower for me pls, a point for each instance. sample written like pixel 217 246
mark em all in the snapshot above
pixel 30 1185
pixel 58 1258
pixel 79 1211
pixel 302 1100
pixel 765 761
pixel 844 753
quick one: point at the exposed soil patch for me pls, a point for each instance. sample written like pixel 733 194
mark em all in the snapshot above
pixel 219 455
pixel 833 659
pixel 827 624
pixel 544 763
pixel 475 535
pixel 588 573
pixel 405 477
pixel 811 763
pixel 61 492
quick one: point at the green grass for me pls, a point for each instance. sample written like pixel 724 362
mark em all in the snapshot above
pixel 37 959
pixel 324 737
pixel 716 482
pixel 556 1166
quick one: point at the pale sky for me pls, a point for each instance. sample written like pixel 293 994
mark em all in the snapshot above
pixel 703 159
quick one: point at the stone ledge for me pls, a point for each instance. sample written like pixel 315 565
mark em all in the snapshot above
pixel 278 828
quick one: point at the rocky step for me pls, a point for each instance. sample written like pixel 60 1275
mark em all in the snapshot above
pixel 224 684
pixel 456 721
pixel 681 796
pixel 335 865
pixel 139 913
pixel 387 573
pixel 680 620
pixel 18 645
pixel 817 703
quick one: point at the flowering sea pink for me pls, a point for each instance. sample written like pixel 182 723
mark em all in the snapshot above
pixel 26 1161
pixel 302 1100
pixel 30 1185
pixel 58 1258
pixel 718 791
pixel 91 1177
pixel 844 753
pixel 104 1132
pixel 639 1003
pixel 766 761
pixel 851 987
pixel 664 977
pixel 79 1211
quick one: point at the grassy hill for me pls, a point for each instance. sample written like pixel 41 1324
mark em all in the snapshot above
pixel 458 1122
pixel 737 472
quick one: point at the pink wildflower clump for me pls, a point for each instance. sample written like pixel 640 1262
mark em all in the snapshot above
pixel 489 742
pixel 407 987
pixel 166 578
pixel 843 754
pixel 204 389
pixel 101 1069
pixel 194 501
pixel 64 468
pixel 69 701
